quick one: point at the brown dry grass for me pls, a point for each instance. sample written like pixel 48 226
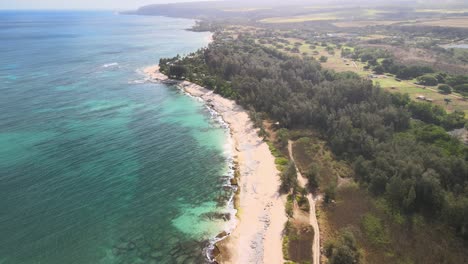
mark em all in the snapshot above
pixel 448 22
pixel 312 152
pixel 364 23
pixel 411 240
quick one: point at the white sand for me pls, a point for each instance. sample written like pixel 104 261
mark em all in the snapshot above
pixel 258 235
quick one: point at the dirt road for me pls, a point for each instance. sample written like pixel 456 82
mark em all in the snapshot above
pixel 313 217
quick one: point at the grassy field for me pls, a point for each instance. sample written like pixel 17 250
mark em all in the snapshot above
pixel 303 18
pixel 443 11
pixel 448 22
pixel 391 84
pixel 246 9
pixel 364 23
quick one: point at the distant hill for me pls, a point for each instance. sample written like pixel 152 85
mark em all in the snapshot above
pixel 257 9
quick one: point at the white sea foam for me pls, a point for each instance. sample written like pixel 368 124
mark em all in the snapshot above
pixel 138 81
pixel 109 65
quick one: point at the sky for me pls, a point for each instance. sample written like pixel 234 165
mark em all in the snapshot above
pixel 82 4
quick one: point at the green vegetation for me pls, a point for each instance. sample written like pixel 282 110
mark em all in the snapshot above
pixel 344 250
pixel 445 89
pixel 427 79
pixel 398 146
pixel 375 230
pixel 360 121
pixel 323 59
pixel 297 243
pixel 289 179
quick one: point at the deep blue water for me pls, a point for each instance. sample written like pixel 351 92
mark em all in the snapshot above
pixel 97 166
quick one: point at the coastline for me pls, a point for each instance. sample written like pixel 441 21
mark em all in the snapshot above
pixel 257 237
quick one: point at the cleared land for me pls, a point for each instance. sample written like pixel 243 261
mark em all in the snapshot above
pixel 449 22
pixel 443 11
pixel 385 236
pixel 304 18
pixel 365 23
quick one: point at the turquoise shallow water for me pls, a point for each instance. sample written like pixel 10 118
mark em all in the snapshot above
pixel 97 166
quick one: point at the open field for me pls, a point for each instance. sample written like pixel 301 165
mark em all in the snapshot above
pixel 365 23
pixel 414 90
pixel 246 9
pixel 303 18
pixel 448 22
pixel 443 11
pixel 387 238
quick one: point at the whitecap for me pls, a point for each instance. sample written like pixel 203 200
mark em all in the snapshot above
pixel 108 65
pixel 138 81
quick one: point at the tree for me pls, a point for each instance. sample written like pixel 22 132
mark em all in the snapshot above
pixel 330 194
pixel 395 192
pixel 289 178
pixel 177 71
pixel 379 69
pixel 455 80
pixel 323 59
pixel 410 199
pixel 282 137
pixel 462 88
pixel 312 178
pixel 445 89
pixel 345 250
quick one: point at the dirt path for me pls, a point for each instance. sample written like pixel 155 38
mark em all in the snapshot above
pixel 313 217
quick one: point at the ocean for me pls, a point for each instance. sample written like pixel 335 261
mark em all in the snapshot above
pixel 96 164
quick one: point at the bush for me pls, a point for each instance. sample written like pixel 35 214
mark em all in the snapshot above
pixel 289 206
pixel 323 59
pixel 428 80
pixel 312 178
pixel 379 69
pixel 289 178
pixel 462 88
pixel 330 193
pixel 281 161
pixel 345 250
pixel 445 89
pixel 375 231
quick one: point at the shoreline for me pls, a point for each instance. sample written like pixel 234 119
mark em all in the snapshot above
pixel 257 236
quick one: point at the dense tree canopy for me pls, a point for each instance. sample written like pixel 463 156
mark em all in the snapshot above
pixel 415 164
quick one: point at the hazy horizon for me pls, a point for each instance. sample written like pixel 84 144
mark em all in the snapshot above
pixel 82 5
pixel 131 5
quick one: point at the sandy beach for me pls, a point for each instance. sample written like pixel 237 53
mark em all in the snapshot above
pixel 258 234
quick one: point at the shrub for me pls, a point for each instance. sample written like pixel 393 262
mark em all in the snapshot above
pixel 428 80
pixel 345 250
pixel 289 178
pixel 445 89
pixel 312 178
pixel 462 88
pixel 375 231
pixel 323 59
pixel 281 161
pixel 330 193
pixel 379 69
pixel 289 206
